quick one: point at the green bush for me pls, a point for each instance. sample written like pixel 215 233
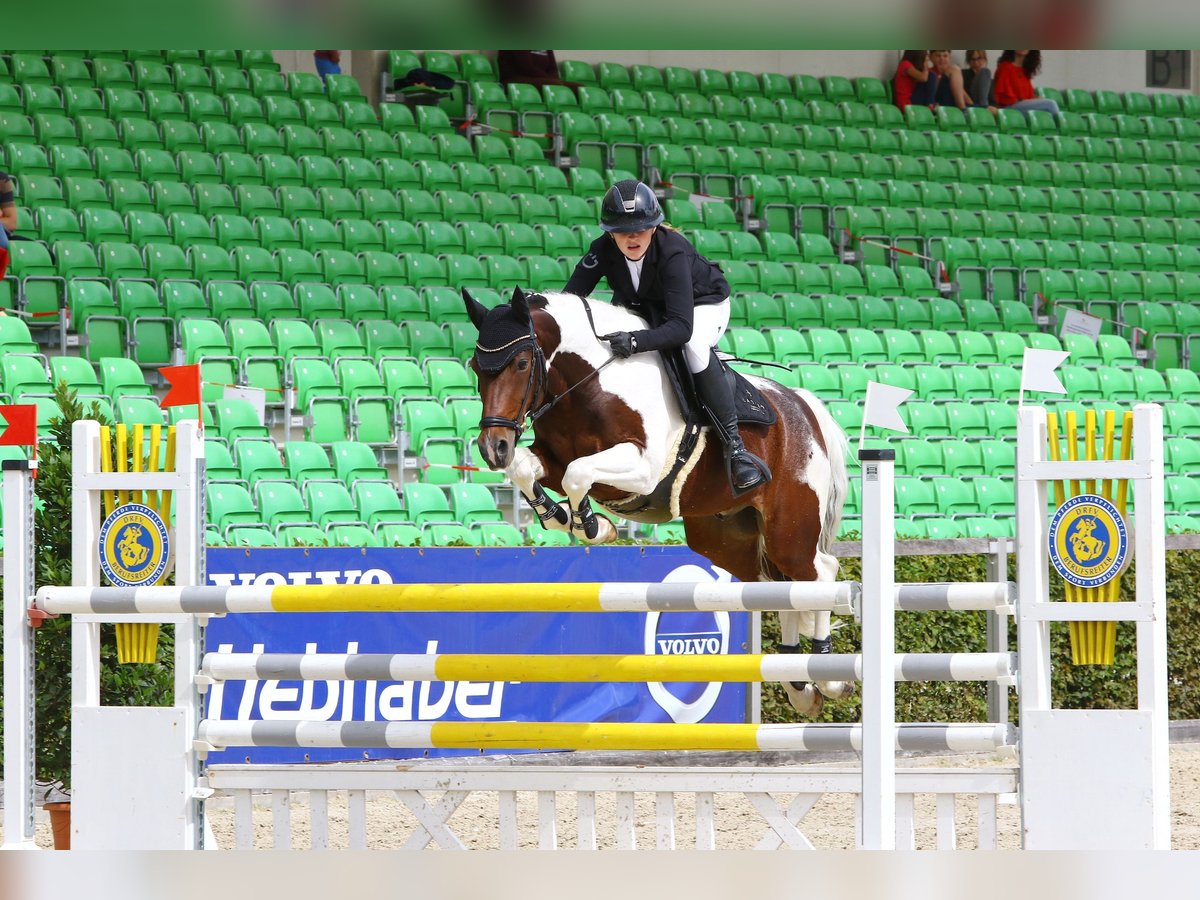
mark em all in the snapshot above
pixel 1075 687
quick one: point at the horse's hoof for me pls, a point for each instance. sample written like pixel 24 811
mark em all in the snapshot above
pixel 806 700
pixel 836 690
pixel 606 532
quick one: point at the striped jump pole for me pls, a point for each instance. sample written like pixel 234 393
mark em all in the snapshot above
pixel 803 596
pixel 596 668
pixel 841 598
pixel 951 738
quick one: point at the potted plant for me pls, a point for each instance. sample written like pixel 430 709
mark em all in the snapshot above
pixel 130 685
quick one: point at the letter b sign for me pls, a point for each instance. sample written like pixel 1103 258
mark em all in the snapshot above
pixel 1168 69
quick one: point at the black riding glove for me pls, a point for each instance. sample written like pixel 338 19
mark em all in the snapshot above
pixel 623 344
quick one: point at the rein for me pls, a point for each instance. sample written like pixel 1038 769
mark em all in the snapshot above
pixel 539 380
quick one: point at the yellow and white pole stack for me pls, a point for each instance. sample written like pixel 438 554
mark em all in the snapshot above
pixel 137 642
pixel 1092 643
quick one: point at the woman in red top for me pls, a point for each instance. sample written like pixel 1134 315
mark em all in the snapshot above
pixel 1013 86
pixel 914 81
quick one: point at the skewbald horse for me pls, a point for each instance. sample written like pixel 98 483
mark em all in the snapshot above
pixel 610 429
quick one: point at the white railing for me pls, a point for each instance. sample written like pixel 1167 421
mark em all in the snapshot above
pixel 508 807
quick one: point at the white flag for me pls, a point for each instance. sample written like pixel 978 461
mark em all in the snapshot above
pixel 256 397
pixel 881 407
pixel 1037 371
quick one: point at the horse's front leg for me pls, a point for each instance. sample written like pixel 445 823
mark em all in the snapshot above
pixel 524 471
pixel 623 467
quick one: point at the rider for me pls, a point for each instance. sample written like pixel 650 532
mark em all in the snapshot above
pixel 657 273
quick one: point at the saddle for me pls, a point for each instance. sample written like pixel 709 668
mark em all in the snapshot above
pixel 752 408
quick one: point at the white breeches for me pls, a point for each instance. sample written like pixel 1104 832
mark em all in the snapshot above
pixel 708 324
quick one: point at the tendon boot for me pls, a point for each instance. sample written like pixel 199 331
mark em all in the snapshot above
pixel 746 471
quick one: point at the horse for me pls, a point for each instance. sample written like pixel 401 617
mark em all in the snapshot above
pixel 611 430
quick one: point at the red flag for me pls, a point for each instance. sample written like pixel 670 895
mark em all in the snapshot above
pixel 185 385
pixel 22 426
pixel 3 261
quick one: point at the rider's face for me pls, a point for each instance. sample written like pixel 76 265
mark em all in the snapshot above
pixel 633 244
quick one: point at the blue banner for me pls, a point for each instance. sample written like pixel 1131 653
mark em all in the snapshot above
pixel 527 633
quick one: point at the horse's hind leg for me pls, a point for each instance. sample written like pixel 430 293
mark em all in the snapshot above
pixel 806 697
pixel 734 544
pixel 798 556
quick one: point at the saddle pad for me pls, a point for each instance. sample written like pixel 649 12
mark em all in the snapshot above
pixel 752 407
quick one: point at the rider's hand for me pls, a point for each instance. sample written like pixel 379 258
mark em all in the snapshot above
pixel 623 344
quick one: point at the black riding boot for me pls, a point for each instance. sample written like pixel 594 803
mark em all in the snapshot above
pixel 745 469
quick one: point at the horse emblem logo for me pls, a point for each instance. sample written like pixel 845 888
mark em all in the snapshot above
pixel 134 546
pixel 1088 541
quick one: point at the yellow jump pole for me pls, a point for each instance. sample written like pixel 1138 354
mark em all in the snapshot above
pixel 1121 502
pixel 1102 644
pixel 1096 631
pixel 1092 643
pixel 136 642
pixel 1059 499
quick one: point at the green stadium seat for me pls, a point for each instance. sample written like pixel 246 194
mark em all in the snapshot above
pixel 231 506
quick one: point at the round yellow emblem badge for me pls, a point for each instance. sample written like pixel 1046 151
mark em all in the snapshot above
pixel 1088 541
pixel 134 546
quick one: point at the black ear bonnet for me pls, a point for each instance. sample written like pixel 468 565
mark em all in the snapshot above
pixel 503 334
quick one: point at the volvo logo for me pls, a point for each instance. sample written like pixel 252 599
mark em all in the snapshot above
pixel 688 633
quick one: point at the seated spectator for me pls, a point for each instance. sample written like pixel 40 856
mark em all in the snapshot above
pixel 328 62
pixel 977 79
pixel 529 67
pixel 949 90
pixel 1013 88
pixel 8 219
pixel 914 81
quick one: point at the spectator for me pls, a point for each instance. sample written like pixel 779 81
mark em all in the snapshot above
pixel 977 79
pixel 915 81
pixel 1014 86
pixel 950 81
pixel 529 67
pixel 8 219
pixel 328 62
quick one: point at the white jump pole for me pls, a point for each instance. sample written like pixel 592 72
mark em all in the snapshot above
pixel 878 820
pixel 19 747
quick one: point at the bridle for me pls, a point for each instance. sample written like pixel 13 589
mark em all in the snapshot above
pixel 538 381
pixel 534 387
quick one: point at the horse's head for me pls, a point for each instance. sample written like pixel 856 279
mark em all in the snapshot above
pixel 511 367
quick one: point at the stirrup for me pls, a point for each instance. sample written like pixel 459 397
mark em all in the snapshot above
pixel 763 470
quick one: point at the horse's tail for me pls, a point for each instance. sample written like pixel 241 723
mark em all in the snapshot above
pixel 837 448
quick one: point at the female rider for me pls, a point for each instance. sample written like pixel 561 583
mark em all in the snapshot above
pixel 654 271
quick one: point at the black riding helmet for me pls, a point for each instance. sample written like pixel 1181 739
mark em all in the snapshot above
pixel 630 206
